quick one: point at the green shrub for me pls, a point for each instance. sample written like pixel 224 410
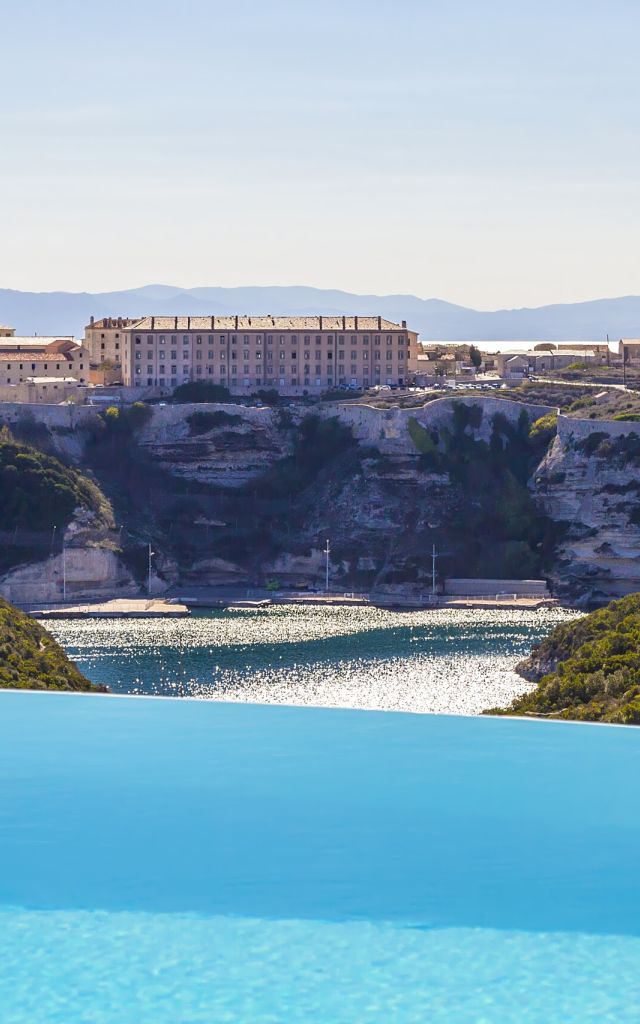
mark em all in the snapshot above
pixel 203 422
pixel 38 492
pixel 30 659
pixel 597 668
pixel 201 391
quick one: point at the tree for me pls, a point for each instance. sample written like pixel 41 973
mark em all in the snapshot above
pixel 475 356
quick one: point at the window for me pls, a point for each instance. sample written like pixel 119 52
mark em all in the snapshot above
pixel 102 346
pixel 198 355
pixel 245 368
pixel 245 353
pixel 210 354
pixel 198 339
pixel 185 339
pixel 161 340
pixel 185 355
pixel 174 353
pixel 138 355
pixel 149 369
pixel 307 339
pixel 138 340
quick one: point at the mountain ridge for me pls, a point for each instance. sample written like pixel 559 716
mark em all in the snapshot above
pixel 435 319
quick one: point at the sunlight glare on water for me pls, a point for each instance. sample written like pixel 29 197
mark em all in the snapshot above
pixel 446 661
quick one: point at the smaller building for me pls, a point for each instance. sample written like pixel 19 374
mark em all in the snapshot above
pixel 629 350
pixel 24 357
pixel 6 332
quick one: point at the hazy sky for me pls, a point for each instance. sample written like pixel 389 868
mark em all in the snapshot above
pixel 483 152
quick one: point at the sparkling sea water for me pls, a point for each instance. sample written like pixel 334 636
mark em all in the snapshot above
pixel 177 861
pixel 452 661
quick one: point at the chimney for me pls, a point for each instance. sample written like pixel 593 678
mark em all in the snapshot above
pixel 404 324
pixel 379 323
pixel 119 321
pixel 344 323
pixel 91 319
pixel 320 323
pixel 236 321
pixel 356 322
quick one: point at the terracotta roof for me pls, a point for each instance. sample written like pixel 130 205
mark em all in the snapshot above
pixel 34 357
pixel 265 323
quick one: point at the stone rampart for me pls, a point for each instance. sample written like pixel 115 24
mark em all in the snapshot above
pixel 570 429
pixel 388 429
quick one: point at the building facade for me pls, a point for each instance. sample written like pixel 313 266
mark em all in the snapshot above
pixel 289 354
pixel 104 340
pixel 25 357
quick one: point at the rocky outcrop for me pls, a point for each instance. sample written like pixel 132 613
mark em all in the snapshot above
pixel 590 482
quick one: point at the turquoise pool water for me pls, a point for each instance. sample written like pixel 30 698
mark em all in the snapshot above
pixel 177 861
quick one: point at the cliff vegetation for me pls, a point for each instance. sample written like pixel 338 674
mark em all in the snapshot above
pixel 30 659
pixel 588 670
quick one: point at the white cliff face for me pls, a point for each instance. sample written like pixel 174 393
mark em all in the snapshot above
pixel 228 455
pixel 87 573
pixel 593 488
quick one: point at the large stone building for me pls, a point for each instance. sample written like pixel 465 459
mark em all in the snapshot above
pixel 290 354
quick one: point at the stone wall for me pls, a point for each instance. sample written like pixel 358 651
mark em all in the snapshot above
pixel 388 429
pixel 571 430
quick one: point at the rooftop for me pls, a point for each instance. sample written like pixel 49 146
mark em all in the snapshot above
pixel 265 323
pixel 35 357
pixel 111 322
pixel 35 341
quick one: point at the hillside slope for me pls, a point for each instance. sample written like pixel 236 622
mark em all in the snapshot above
pixel 587 670
pixel 30 659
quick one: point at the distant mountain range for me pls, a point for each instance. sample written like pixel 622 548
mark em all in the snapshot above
pixel 434 319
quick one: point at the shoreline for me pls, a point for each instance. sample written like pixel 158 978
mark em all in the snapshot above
pixel 144 608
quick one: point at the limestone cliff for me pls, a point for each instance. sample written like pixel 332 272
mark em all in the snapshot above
pixel 590 481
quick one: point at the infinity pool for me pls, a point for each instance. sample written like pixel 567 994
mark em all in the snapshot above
pixel 180 860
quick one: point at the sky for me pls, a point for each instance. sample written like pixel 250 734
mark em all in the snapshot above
pixel 486 153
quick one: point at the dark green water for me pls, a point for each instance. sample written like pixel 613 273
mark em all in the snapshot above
pixel 440 661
